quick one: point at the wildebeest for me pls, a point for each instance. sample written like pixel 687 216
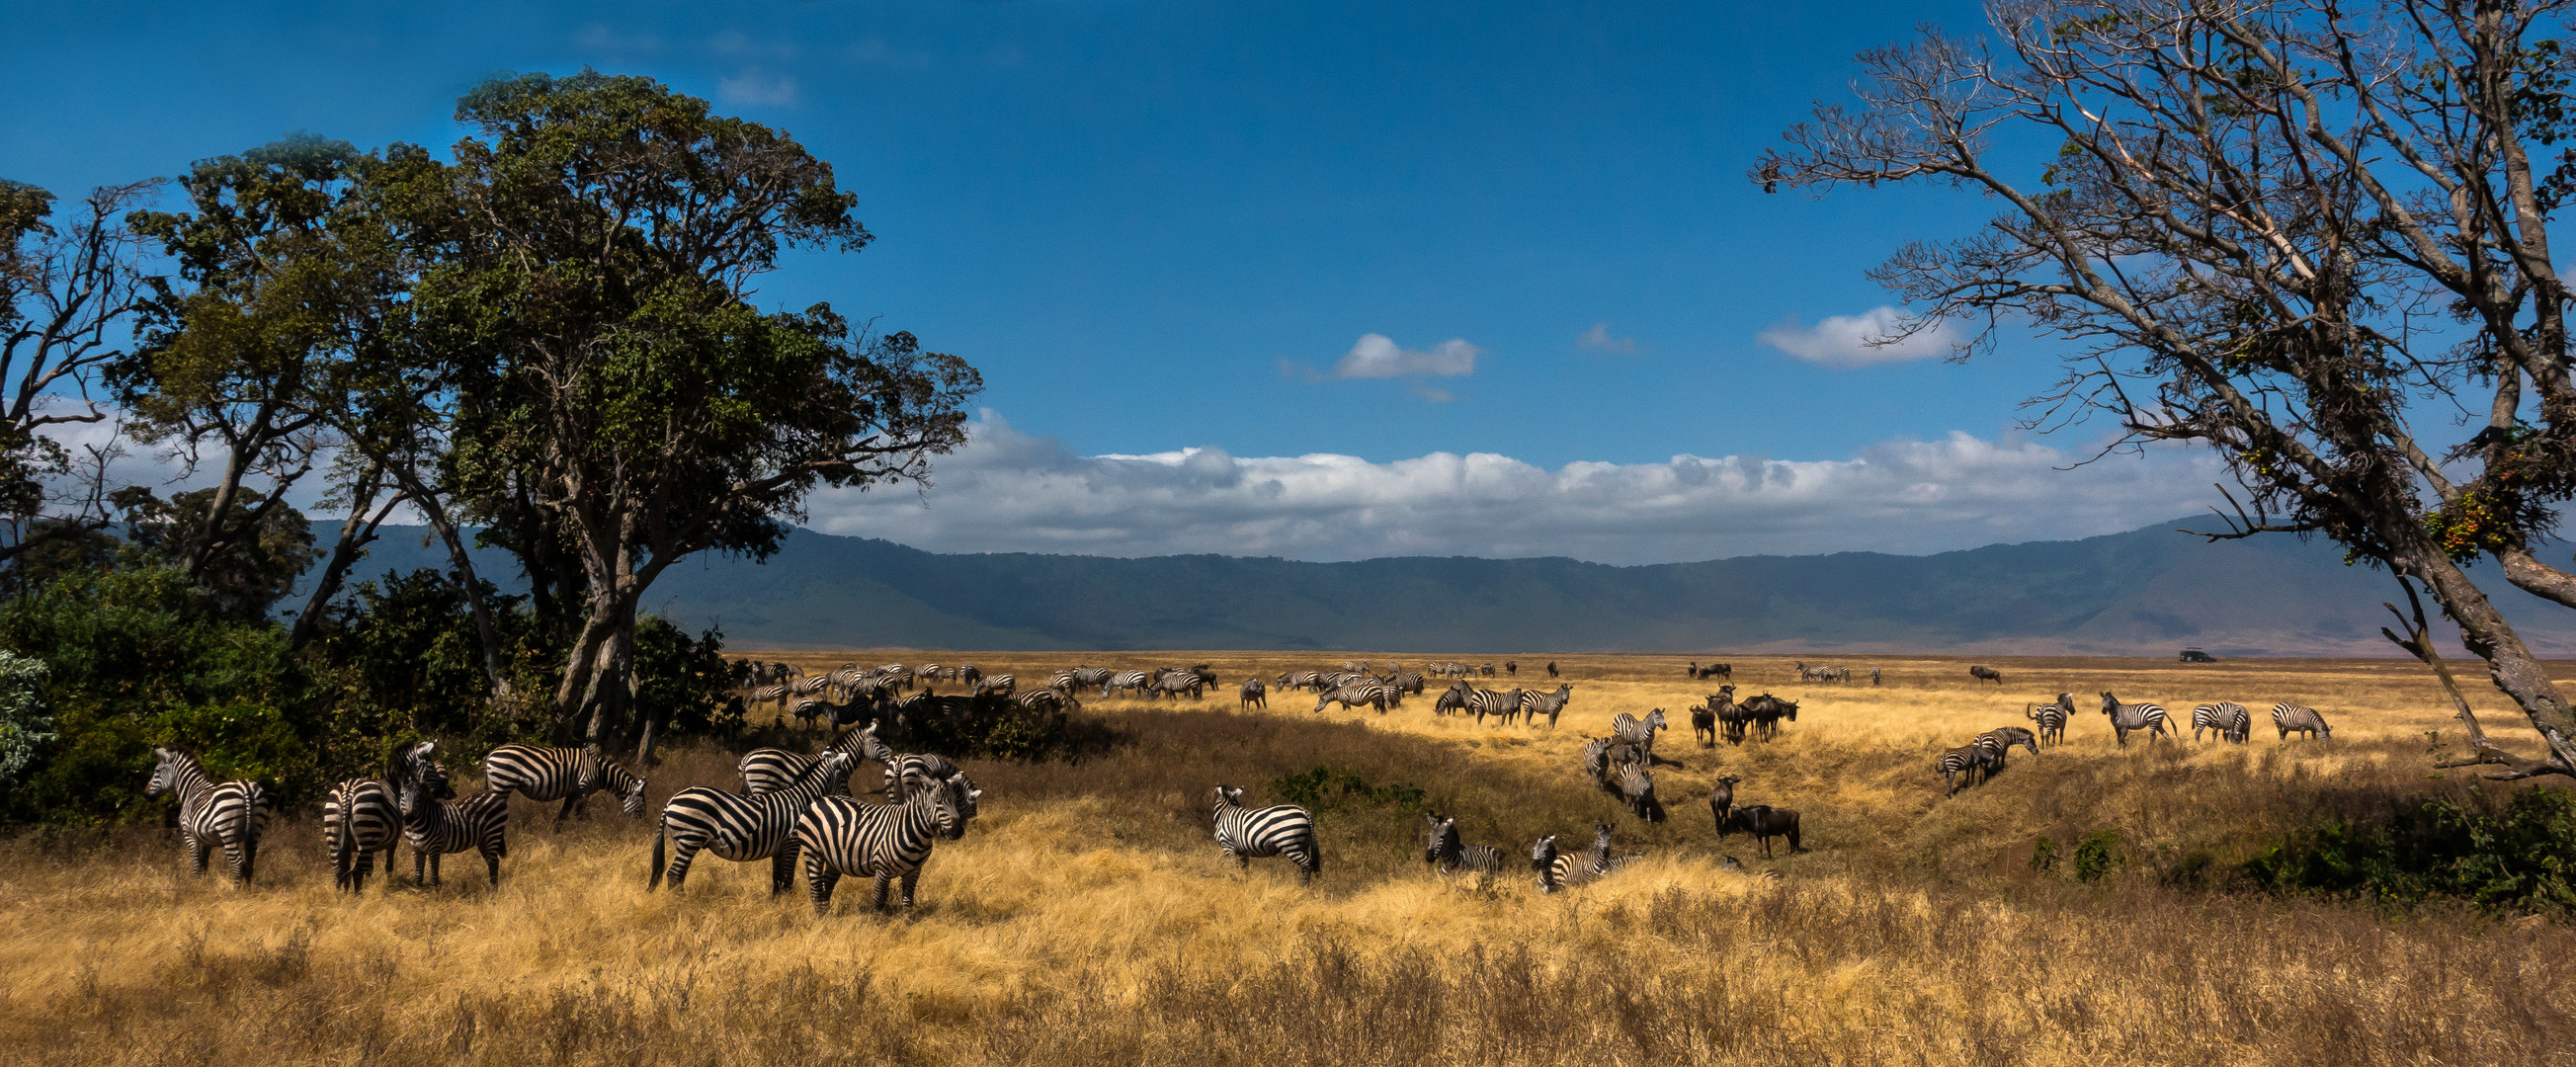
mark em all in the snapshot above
pixel 1721 800
pixel 2292 718
pixel 1254 694
pixel 1704 718
pixel 1698 671
pixel 1766 711
pixel 1512 668
pixel 1551 668
pixel 1765 822
pixel 1986 674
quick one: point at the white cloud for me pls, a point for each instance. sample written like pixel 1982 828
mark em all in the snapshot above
pixel 1846 340
pixel 755 89
pixel 1598 337
pixel 1377 356
pixel 1007 491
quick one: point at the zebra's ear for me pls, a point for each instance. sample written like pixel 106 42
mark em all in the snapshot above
pixel 161 752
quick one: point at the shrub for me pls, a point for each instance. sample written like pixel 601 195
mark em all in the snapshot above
pixel 242 739
pixel 2516 859
pixel 25 724
pixel 1329 787
pixel 2097 855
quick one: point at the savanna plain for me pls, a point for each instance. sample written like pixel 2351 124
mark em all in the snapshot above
pixel 1086 917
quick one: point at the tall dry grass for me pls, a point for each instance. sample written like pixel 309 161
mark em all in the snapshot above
pixel 1087 919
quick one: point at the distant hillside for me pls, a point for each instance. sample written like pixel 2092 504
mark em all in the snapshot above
pixel 2148 591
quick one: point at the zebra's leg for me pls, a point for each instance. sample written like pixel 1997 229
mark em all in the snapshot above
pixel 360 868
pixel 244 858
pixel 819 880
pixel 433 867
pixel 419 866
pixel 197 847
pixel 911 878
pixel 683 850
pixel 492 863
pixel 782 869
pixel 569 803
pixel 884 882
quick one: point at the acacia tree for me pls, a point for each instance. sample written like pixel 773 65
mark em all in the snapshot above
pixel 629 405
pixel 2312 235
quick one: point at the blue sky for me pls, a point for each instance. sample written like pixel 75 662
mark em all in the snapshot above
pixel 1162 227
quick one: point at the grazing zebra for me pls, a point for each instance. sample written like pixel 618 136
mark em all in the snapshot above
pixel 1446 856
pixel 1873 676
pixel 1373 694
pixel 1485 702
pixel 1573 869
pixel 1721 800
pixel 227 815
pixel 1063 680
pixel 1452 699
pixel 1000 685
pixel 433 827
pixel 1535 704
pixel 1596 758
pixel 2003 738
pixel 906 772
pixel 2051 718
pixel 363 815
pixel 2292 718
pixel 1089 677
pixel 896 676
pixel 1966 761
pixel 2127 717
pixel 1174 683
pixel 840 836
pixel 1986 674
pixel 2227 719
pixel 768 693
pixel 1765 822
pixel 1636 731
pixel 740 827
pixel 1124 681
pixel 1056 700
pixel 570 775
pixel 810 685
pixel 1283 829
pixel 767 770
pixel 1637 790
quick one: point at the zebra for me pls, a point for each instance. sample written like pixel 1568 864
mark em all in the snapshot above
pixel 567 774
pixel 2003 738
pixel 1535 704
pixel 767 693
pixel 1056 700
pixel 1485 702
pixel 1569 870
pixel 2051 718
pixel 361 816
pixel 1090 677
pixel 1452 699
pixel 1765 822
pixel 1966 761
pixel 1064 680
pixel 1636 731
pixel 840 836
pixel 1284 829
pixel 2292 718
pixel 1873 676
pixel 896 676
pixel 906 771
pixel 740 827
pixel 1722 799
pixel 1637 790
pixel 2127 717
pixel 1253 694
pixel 1985 674
pixel 433 827
pixel 1308 680
pixel 1174 683
pixel 1000 685
pixel 2227 719
pixel 229 815
pixel 1123 681
pixel 1406 681
pixel 1446 856
pixel 766 770
pixel 1596 758
pixel 1374 694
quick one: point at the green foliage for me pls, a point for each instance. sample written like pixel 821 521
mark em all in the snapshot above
pixel 145 638
pixel 1333 787
pixel 2097 855
pixel 25 723
pixel 685 681
pixel 2519 859
pixel 243 739
pixel 257 565
pixel 2043 854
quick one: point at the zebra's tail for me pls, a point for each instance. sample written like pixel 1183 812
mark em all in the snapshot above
pixel 341 847
pixel 655 882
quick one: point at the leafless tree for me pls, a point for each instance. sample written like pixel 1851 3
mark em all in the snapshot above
pixel 68 291
pixel 2313 235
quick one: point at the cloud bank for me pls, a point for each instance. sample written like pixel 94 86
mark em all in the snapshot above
pixel 1844 340
pixel 1378 356
pixel 1008 491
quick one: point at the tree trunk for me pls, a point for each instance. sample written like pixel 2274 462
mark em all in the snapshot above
pixel 355 535
pixel 475 602
pixel 2486 634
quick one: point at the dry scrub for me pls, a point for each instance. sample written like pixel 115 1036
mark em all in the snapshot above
pixel 1086 918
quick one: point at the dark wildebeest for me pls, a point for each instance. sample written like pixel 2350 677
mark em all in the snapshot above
pixel 1704 718
pixel 1551 668
pixel 1765 822
pixel 1986 674
pixel 1721 800
pixel 1766 711
pixel 1255 694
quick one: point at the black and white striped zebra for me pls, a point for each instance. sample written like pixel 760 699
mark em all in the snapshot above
pixel 1446 856
pixel 2291 718
pixel 570 775
pixel 1091 677
pixel 1571 870
pixel 1279 830
pixel 1125 681
pixel 996 685
pixel 1535 703
pixel 1485 702
pixel 1966 762
pixel 1637 791
pixel 1636 731
pixel 1056 700
pixel 2051 719
pixel 740 827
pixel 839 836
pixel 766 770
pixel 362 816
pixel 2002 739
pixel 1253 694
pixel 226 815
pixel 1406 681
pixel 2128 717
pixel 433 827
pixel 2227 719
pixel 907 771
pixel 1596 758
pixel 1356 694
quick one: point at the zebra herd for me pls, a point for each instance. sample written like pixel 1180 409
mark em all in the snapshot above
pixel 1622 764
pixel 849 694
pixel 2226 720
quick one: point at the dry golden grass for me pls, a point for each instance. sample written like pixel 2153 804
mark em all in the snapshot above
pixel 1086 918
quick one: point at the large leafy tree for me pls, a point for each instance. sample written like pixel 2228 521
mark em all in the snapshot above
pixel 622 403
pixel 2310 234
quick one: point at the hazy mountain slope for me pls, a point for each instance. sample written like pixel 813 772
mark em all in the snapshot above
pixel 2146 591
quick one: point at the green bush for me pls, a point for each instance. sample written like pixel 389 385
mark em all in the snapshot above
pixel 1331 787
pixel 2518 859
pixel 2097 855
pixel 243 739
pixel 25 724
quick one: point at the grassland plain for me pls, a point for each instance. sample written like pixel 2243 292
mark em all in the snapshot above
pixel 1087 919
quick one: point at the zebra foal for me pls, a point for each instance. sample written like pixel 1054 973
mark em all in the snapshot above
pixel 840 836
pixel 226 815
